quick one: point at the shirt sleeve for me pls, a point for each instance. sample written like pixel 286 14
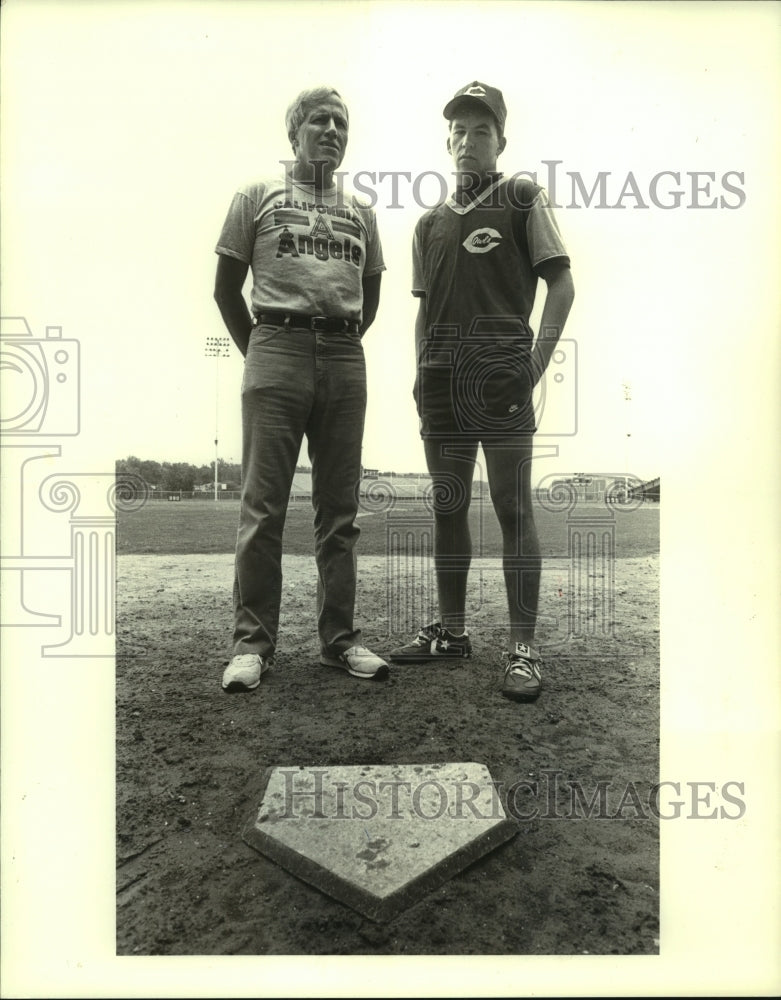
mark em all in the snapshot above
pixel 237 238
pixel 375 263
pixel 542 232
pixel 418 281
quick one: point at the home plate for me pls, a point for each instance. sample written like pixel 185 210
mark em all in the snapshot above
pixel 378 836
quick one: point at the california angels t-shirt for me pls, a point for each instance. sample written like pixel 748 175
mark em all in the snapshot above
pixel 476 263
pixel 308 250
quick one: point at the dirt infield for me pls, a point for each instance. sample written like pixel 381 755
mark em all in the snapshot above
pixel 576 768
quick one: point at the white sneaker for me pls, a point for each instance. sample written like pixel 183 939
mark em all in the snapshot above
pixel 358 661
pixel 522 678
pixel 244 671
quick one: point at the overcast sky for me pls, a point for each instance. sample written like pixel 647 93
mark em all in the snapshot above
pixel 129 126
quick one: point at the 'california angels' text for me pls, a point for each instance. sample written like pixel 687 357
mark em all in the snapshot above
pixel 332 235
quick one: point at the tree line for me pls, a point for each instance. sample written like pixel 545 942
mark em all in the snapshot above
pixel 175 476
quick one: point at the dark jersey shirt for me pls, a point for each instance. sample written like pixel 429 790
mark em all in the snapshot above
pixel 476 263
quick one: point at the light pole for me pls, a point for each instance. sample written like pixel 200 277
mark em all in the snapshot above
pixel 627 399
pixel 217 347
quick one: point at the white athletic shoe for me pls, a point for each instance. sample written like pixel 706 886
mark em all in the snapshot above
pixel 522 678
pixel 244 671
pixel 359 662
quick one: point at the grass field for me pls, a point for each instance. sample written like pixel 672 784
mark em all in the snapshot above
pixel 203 526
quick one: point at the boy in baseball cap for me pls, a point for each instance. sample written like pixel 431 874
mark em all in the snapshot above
pixel 477 259
pixel 477 94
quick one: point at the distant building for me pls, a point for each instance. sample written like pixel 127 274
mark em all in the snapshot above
pixel 209 487
pixel 648 491
pixel 598 487
pixel 584 486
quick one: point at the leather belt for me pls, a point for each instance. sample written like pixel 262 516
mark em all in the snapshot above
pixel 320 324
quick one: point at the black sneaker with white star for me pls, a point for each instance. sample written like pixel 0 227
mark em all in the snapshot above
pixel 433 643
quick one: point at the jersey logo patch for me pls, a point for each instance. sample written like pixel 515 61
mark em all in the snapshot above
pixel 482 240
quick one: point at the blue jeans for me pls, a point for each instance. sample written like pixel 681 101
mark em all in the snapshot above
pixel 298 382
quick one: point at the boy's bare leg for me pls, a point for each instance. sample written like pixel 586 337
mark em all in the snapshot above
pixel 451 476
pixel 508 465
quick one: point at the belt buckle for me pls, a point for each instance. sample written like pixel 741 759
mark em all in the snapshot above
pixel 315 320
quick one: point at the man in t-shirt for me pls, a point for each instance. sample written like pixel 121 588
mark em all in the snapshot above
pixel 476 262
pixel 316 263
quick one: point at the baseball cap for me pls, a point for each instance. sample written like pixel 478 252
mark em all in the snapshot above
pixel 489 97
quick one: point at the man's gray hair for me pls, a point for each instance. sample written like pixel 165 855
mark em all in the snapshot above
pixel 302 105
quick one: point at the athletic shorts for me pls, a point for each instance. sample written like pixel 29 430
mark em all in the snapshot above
pixel 484 393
